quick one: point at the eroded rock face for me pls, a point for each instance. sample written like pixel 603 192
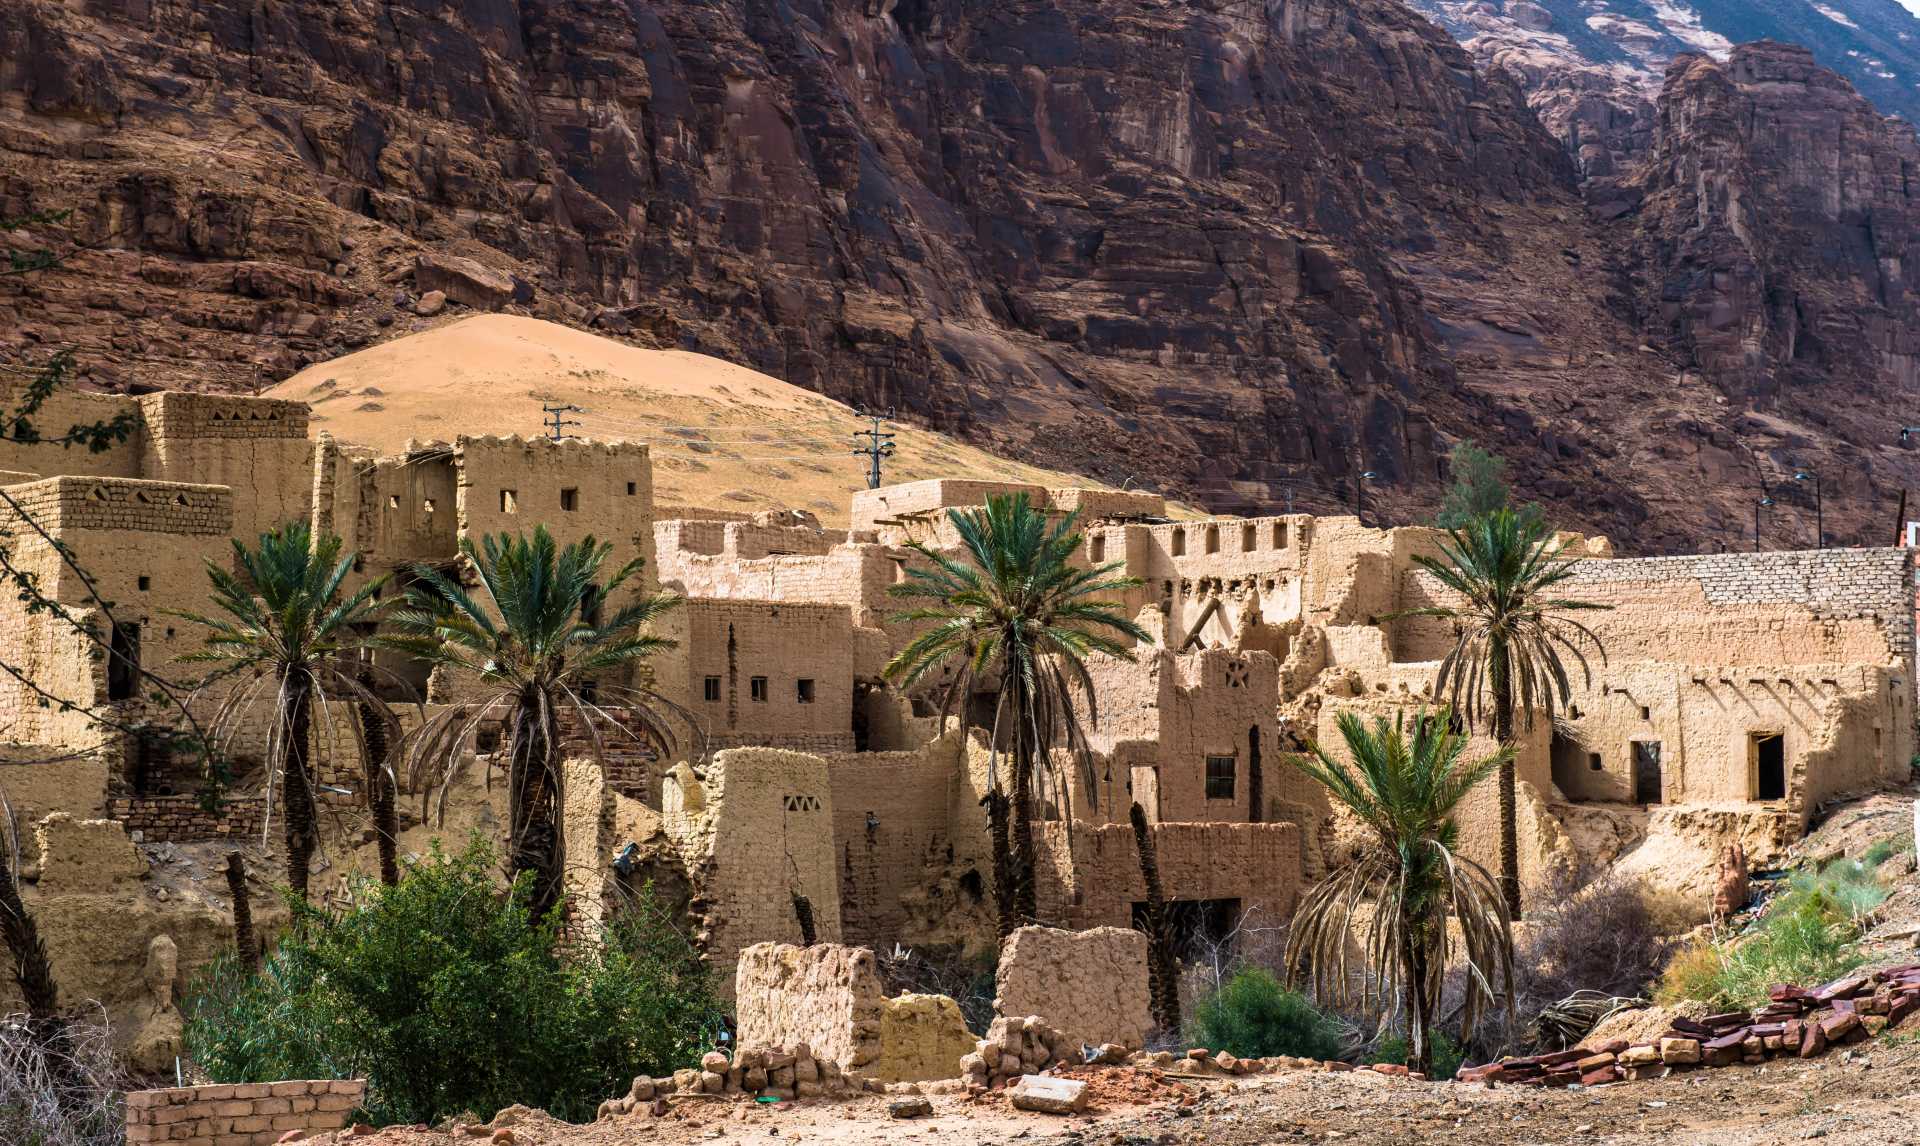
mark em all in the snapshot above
pixel 1779 218
pixel 1199 239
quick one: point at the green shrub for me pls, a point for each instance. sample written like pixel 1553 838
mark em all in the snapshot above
pixel 1808 935
pixel 1253 1016
pixel 1882 850
pixel 447 997
pixel 1447 1055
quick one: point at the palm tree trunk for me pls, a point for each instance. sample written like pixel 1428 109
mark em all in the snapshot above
pixel 999 833
pixel 1163 971
pixel 296 781
pixel 1025 899
pixel 1501 680
pixel 533 799
pixel 32 968
pixel 1413 957
pixel 243 940
pixel 380 785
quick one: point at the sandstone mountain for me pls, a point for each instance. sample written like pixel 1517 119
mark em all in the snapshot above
pixel 1237 251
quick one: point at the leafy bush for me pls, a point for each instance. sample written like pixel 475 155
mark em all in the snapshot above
pixel 1253 1016
pixel 1808 935
pixel 447 997
pixel 1447 1055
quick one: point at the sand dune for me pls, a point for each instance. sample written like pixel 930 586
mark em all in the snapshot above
pixel 724 437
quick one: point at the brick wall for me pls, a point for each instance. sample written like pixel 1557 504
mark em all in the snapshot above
pixel 233 1114
pixel 181 819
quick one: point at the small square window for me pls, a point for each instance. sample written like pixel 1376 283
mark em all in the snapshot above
pixel 803 689
pixel 710 688
pixel 569 500
pixel 509 501
pixel 1213 539
pixel 1593 761
pixel 1249 538
pixel 1179 543
pixel 1646 713
pixel 145 584
pixel 428 505
pixel 757 688
pixel 486 739
pixel 1279 535
pixel 393 501
pixel 1220 771
pixel 1097 552
pixel 633 487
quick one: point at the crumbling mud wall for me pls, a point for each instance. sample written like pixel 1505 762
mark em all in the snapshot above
pixel 828 996
pixel 238 1114
pixel 1091 985
pixel 1254 869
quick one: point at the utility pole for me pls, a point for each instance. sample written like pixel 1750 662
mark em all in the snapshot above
pixel 556 420
pixel 879 445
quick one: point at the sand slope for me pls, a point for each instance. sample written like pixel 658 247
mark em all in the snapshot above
pixel 724 437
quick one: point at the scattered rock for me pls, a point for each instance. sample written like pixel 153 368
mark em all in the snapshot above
pixel 1049 1095
pixel 913 1106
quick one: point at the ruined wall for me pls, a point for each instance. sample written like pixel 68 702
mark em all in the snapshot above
pixel 827 996
pixel 235 1114
pixel 62 410
pixel 894 843
pixel 1259 865
pixel 697 559
pixel 182 819
pixel 758 832
pixel 37 784
pixel 257 447
pixel 1091 986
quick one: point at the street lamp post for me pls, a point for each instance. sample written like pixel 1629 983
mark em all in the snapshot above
pixel 1757 506
pixel 1819 521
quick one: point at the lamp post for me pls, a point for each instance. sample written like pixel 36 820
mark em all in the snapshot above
pixel 1819 521
pixel 1359 495
pixel 1757 506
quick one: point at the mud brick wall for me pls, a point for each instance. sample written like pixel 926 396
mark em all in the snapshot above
pixel 828 996
pixel 181 819
pixel 1091 986
pixel 234 1114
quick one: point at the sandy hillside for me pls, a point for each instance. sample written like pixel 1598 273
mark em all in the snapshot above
pixel 724 437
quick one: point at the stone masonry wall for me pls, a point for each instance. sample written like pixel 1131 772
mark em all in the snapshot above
pixel 1089 985
pixel 181 819
pixel 236 1114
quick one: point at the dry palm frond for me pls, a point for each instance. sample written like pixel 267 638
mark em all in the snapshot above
pixel 1563 1024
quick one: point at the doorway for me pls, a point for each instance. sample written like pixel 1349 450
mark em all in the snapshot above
pixel 1768 751
pixel 1647 780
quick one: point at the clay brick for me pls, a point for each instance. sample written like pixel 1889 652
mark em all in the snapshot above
pixel 273 1105
pixel 289 1089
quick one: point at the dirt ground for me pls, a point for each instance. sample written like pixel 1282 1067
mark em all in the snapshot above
pixel 1871 1095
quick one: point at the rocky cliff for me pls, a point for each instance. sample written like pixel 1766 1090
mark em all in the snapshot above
pixel 1235 250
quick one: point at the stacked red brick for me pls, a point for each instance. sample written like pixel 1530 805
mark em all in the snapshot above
pixel 1797 1021
pixel 236 1114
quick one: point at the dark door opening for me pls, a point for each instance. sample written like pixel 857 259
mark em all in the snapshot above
pixel 123 662
pixel 1647 785
pixel 1769 766
pixel 1254 795
pixel 1199 925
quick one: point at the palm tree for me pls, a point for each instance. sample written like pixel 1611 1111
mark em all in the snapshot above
pixel 285 622
pixel 1411 877
pixel 533 640
pixel 1509 635
pixel 1014 609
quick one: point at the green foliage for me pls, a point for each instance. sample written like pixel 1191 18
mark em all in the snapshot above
pixel 1882 850
pixel 1447 1055
pixel 446 995
pixel 1478 486
pixel 1808 935
pixel 1253 1016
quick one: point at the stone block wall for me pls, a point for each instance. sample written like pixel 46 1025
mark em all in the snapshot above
pixel 1259 865
pixel 181 819
pixel 236 1114
pixel 1091 986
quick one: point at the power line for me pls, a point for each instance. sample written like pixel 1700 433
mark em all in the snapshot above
pixel 879 445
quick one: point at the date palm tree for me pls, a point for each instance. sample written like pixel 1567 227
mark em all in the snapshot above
pixel 532 638
pixel 285 623
pixel 1013 612
pixel 1512 640
pixel 1395 893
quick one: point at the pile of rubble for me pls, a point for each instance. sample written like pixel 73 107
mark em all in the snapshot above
pixel 1016 1046
pixel 782 1072
pixel 1798 1021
